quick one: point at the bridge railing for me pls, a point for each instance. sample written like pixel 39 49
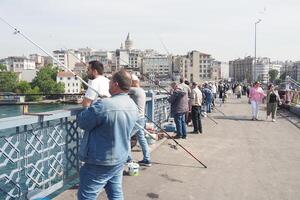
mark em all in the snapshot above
pixel 38 154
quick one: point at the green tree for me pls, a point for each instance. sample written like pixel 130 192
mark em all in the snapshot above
pixel 22 87
pixel 2 67
pixel 45 80
pixel 35 90
pixel 277 81
pixel 273 73
pixel 8 81
pixel 283 76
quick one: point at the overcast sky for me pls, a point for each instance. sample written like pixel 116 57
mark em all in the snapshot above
pixel 222 28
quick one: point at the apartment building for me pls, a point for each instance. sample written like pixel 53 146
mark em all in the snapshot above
pixel 242 70
pixel 71 82
pixel 68 58
pixel 199 68
pixel 159 65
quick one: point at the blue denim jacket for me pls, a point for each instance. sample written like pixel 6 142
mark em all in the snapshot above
pixel 108 124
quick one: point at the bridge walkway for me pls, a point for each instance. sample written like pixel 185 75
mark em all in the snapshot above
pixel 246 160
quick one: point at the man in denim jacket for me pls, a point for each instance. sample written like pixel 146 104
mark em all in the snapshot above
pixel 104 149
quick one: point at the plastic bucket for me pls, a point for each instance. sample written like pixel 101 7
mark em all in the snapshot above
pixel 133 169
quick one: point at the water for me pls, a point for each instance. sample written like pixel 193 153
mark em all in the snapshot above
pixel 16 110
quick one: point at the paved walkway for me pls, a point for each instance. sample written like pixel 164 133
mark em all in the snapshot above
pixel 246 159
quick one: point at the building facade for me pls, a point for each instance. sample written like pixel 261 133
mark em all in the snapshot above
pixel 18 64
pixel 158 65
pixel 68 58
pixel 262 70
pixel 242 70
pixel 198 68
pixel 215 72
pixel 71 82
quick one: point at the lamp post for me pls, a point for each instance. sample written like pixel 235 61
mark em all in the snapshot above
pixel 259 20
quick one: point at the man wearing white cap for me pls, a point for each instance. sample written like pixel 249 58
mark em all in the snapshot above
pixel 139 97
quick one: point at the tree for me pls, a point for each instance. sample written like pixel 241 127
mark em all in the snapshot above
pixel 35 90
pixel 283 76
pixel 3 67
pixel 273 73
pixel 277 81
pixel 8 81
pixel 45 80
pixel 22 87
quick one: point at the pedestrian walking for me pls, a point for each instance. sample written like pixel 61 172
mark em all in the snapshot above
pixel 255 97
pixel 273 100
pixel 238 91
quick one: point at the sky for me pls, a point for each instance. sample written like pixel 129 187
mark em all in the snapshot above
pixel 223 28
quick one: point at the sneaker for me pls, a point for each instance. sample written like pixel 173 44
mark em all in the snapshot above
pixel 146 163
pixel 273 120
pixel 183 137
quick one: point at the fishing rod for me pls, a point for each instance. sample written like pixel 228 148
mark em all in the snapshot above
pixel 153 81
pixel 142 75
pixel 159 128
pixel 177 142
pixel 172 62
pixel 18 31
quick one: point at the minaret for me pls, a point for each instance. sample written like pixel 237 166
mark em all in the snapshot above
pixel 128 43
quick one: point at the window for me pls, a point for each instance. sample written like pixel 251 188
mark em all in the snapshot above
pixel 69 78
pixel 61 78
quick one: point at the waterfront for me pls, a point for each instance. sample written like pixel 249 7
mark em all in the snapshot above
pixel 16 110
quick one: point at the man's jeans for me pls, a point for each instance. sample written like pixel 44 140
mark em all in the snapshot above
pixel 141 139
pixel 180 124
pixel 208 106
pixel 93 178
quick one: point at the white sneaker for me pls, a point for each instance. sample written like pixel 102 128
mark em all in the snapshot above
pixel 273 120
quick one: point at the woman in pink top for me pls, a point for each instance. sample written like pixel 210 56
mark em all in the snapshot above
pixel 255 97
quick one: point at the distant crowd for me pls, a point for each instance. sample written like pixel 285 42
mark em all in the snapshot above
pixel 111 121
